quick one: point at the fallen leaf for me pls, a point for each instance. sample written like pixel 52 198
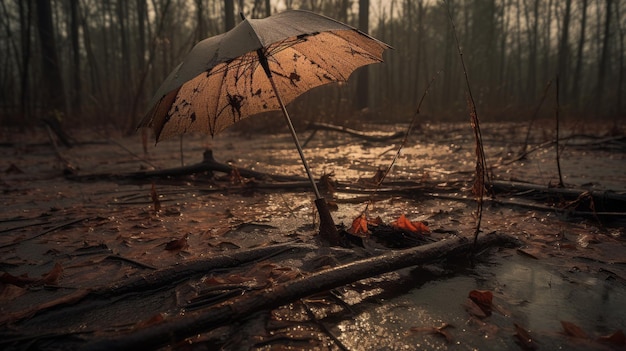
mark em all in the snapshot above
pixel 375 221
pixel 13 169
pixel 524 339
pixel 154 320
pixel 529 252
pixel 359 226
pixel 573 330
pixel 31 311
pixel 21 281
pixel 52 277
pixel 472 308
pixel 617 338
pixel 442 330
pixel 482 298
pixel 177 244
pixel 406 224
pixel 9 292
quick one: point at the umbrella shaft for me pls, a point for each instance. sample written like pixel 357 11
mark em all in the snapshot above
pixel 295 137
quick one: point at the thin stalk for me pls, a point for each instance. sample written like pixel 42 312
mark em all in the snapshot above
pixel 404 140
pixel 479 183
pixel 532 120
pixel 558 156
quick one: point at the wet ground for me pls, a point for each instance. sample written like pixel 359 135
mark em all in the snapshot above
pixel 570 267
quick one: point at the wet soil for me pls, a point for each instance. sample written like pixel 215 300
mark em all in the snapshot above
pixel 105 230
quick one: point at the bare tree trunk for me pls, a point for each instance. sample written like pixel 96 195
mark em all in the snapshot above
pixel 229 15
pixel 604 57
pixel 577 81
pixel 620 82
pixel 362 89
pixel 53 90
pixel 201 31
pixel 75 92
pixel 268 8
pixel 563 69
pixel 547 40
pixel 25 9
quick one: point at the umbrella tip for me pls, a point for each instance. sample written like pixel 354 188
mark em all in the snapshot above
pixel 243 18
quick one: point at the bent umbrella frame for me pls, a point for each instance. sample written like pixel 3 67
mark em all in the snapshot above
pixel 218 82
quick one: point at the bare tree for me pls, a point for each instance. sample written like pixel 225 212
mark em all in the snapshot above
pixel 53 91
pixel 577 79
pixel 229 15
pixel 563 64
pixel 604 56
pixel 362 94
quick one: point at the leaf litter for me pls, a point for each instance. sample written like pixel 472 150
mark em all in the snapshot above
pixel 567 264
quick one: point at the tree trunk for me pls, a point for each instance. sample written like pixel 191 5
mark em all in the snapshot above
pixel 25 9
pixel 604 56
pixel 229 15
pixel 52 87
pixel 563 69
pixel 362 89
pixel 75 92
pixel 201 32
pixel 577 83
pixel 268 8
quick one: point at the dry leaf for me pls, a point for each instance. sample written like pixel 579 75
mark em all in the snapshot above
pixel 20 281
pixel 524 339
pixel 177 244
pixel 13 169
pixel 359 226
pixel 482 298
pixel 406 224
pixel 442 330
pixel 472 308
pixel 154 320
pixel 573 330
pixel 52 277
pixel 617 338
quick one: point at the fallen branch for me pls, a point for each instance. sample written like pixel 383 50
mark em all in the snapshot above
pixel 50 230
pixel 157 279
pixel 177 329
pixel 208 165
pixel 367 136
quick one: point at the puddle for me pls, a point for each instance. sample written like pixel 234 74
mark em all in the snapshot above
pixel 527 292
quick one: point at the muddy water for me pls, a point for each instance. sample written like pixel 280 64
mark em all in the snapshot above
pixel 570 269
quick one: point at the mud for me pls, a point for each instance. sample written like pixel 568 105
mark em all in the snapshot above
pixel 570 267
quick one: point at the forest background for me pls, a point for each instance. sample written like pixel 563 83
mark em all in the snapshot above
pixel 98 62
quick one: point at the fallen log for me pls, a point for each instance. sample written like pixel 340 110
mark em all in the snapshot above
pixel 601 201
pixel 367 136
pixel 208 165
pixel 178 329
pixel 158 279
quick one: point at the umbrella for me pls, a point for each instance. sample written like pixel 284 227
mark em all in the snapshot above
pixel 260 65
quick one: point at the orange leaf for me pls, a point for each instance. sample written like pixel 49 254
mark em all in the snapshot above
pixel 617 338
pixel 524 339
pixel 573 330
pixel 483 298
pixel 406 224
pixel 20 281
pixel 177 244
pixel 52 277
pixel 359 226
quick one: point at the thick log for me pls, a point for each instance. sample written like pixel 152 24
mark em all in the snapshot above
pixel 175 330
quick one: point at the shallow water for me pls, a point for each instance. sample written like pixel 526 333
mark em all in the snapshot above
pixel 577 274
